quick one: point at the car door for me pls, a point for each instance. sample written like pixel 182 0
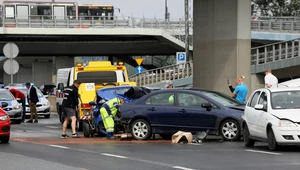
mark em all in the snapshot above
pixel 162 112
pixel 261 115
pixel 250 113
pixel 193 116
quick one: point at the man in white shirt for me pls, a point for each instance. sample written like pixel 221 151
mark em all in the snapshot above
pixel 270 80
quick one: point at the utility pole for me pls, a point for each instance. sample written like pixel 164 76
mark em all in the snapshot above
pixel 187 26
pixel 166 10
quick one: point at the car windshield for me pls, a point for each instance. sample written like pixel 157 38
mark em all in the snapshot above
pixel 286 100
pixel 39 93
pixel 6 95
pixel 222 99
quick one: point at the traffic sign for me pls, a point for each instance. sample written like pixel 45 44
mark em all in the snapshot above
pixel 180 58
pixel 10 50
pixel 11 66
pixel 139 61
pixel 139 69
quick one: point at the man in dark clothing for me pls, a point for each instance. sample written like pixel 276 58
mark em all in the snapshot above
pixel 69 104
pixel 32 98
pixel 19 95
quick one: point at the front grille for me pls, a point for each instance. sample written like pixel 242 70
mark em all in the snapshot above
pixel 15 115
pixel 38 105
pixel 288 137
pixel 5 129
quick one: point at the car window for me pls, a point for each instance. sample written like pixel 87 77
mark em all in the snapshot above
pixel 263 100
pixel 190 100
pixel 222 99
pixel 6 95
pixel 254 99
pixel 161 99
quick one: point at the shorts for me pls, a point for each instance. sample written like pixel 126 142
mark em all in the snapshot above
pixel 69 112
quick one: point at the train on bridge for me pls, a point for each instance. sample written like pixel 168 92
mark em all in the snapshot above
pixel 55 10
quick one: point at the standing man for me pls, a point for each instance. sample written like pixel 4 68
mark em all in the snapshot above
pixel 108 112
pixel 18 94
pixel 70 104
pixel 270 80
pixel 32 98
pixel 241 90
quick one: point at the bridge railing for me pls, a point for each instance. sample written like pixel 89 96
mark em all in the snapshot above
pixel 162 74
pixel 275 52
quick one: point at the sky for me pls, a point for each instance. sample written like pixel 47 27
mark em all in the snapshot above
pixel 137 8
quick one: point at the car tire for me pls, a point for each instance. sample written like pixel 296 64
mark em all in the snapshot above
pixel 47 116
pixel 166 136
pixel 230 130
pixel 86 129
pixel 272 140
pixel 246 135
pixel 18 121
pixel 4 139
pixel 140 129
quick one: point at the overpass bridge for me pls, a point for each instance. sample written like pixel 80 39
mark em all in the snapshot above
pixel 277 56
pixel 121 37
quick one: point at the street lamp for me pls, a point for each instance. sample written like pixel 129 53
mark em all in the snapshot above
pixel 167 14
pixel 187 26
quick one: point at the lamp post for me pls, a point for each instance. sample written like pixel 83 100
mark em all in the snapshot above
pixel 186 11
pixel 167 15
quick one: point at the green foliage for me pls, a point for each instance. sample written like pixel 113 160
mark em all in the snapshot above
pixel 275 7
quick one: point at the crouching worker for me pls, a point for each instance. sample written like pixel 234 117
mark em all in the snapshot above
pixel 108 111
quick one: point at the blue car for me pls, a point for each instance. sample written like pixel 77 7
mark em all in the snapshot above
pixel 92 123
pixel 165 112
pixel 14 109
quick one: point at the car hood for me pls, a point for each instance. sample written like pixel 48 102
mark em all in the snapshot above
pixel 41 100
pixel 109 95
pixel 10 103
pixel 238 107
pixel 290 114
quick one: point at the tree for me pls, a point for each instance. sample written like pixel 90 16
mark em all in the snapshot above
pixel 275 7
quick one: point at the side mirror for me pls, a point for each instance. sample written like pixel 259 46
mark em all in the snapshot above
pixel 92 103
pixel 46 96
pixel 208 106
pixel 60 86
pixel 4 104
pixel 259 107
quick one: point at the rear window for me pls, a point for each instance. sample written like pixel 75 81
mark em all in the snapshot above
pixel 99 77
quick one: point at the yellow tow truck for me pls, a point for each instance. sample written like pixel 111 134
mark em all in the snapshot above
pixel 94 76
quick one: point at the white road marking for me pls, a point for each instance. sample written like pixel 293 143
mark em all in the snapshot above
pixel 53 127
pixel 264 152
pixel 183 168
pixel 195 144
pixel 58 146
pixel 111 155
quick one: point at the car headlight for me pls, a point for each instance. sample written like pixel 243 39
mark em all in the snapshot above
pixel 16 107
pixel 286 123
pixel 3 117
pixel 46 104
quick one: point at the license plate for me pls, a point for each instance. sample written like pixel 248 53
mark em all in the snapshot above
pixel 27 110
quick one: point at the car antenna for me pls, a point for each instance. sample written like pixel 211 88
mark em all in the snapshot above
pixel 291 76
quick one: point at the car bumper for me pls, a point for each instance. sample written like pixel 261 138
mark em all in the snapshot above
pixel 15 114
pixel 42 110
pixel 4 128
pixel 287 135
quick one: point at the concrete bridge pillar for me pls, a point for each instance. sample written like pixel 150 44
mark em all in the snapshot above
pixel 222 43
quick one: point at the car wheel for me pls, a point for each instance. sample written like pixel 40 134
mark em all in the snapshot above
pixel 271 140
pixel 4 139
pixel 166 136
pixel 140 129
pixel 230 130
pixel 247 141
pixel 86 129
pixel 47 116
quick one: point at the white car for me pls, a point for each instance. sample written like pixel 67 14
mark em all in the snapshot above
pixel 273 115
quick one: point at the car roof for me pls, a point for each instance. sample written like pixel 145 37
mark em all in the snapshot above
pixel 186 90
pixel 115 87
pixel 279 89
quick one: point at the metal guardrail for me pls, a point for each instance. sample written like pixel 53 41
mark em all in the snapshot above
pixel 259 55
pixel 159 75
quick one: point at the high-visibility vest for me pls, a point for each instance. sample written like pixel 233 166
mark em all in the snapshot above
pixel 111 106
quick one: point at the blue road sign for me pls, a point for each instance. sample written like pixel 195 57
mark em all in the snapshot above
pixel 181 56
pixel 139 69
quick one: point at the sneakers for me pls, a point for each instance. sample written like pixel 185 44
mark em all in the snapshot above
pixel 63 136
pixel 75 135
pixel 111 138
pixel 36 121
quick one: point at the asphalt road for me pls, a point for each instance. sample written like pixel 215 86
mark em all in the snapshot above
pixel 38 146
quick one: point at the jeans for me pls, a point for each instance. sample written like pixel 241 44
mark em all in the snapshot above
pixel 24 109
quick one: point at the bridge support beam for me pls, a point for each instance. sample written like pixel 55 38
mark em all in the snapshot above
pixel 222 43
